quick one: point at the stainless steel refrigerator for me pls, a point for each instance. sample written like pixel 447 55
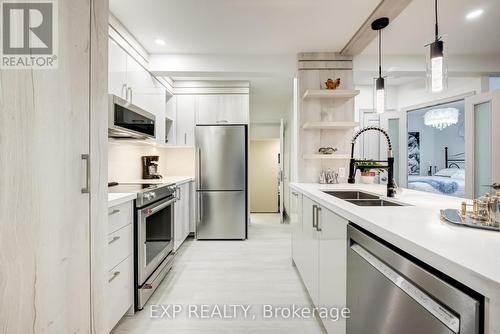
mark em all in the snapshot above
pixel 221 181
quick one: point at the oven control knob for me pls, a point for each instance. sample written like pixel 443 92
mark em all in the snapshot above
pixel 148 196
pixel 153 195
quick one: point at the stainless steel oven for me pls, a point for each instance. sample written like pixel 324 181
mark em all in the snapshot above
pixel 154 240
pixel 155 236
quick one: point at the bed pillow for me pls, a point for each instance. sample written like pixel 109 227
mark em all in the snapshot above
pixel 447 172
pixel 459 175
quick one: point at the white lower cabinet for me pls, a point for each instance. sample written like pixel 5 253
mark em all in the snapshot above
pixel 332 267
pixel 310 249
pixel 182 214
pixel 120 259
pixel 120 245
pixel 192 216
pixel 296 225
pixel 319 250
pixel 120 291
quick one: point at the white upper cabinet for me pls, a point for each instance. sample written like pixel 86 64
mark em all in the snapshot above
pixel 170 120
pixel 132 82
pixel 117 67
pixel 186 106
pixel 234 109
pixel 207 109
pixel 141 85
pixel 222 109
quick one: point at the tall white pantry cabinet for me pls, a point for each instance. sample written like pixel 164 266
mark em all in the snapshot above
pixel 52 231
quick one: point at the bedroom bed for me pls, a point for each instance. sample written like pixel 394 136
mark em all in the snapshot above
pixel 448 181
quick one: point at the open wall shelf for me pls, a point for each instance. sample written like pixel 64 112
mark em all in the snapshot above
pixel 330 94
pixel 330 125
pixel 326 156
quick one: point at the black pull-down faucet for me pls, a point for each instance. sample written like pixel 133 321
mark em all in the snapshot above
pixel 391 186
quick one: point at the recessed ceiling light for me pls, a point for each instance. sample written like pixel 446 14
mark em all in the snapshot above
pixel 160 41
pixel 474 14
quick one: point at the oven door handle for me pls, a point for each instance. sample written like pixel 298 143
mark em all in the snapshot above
pixel 150 211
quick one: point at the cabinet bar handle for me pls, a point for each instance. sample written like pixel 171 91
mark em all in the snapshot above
pixel 115 239
pixel 115 275
pixel 178 193
pixel 318 228
pixel 114 212
pixel 314 216
pixel 86 158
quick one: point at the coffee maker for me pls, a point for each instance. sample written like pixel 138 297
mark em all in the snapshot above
pixel 150 167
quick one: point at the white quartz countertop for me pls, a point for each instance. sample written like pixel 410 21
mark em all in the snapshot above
pixel 120 198
pixel 470 256
pixel 178 179
pixel 166 179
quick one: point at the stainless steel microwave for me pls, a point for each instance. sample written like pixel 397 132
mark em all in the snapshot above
pixel 129 121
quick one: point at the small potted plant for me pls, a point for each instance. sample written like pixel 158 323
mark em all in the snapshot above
pixel 369 170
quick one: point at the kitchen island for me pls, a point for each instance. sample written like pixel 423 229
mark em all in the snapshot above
pixel 469 256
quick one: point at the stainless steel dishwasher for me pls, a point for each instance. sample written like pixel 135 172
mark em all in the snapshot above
pixel 388 293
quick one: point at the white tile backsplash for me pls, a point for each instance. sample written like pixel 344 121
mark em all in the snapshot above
pixel 124 160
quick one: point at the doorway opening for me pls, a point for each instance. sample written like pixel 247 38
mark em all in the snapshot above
pixel 264 174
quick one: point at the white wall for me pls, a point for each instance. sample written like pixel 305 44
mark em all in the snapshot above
pixel 365 99
pixel 264 131
pixel 415 93
pixel 263 175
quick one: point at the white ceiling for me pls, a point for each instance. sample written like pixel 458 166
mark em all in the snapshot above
pixel 414 28
pixel 242 26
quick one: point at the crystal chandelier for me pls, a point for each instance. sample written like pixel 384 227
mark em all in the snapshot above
pixel 441 118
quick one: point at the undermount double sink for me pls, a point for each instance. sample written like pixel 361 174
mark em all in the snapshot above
pixel 361 198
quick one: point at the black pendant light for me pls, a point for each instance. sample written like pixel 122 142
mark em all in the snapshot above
pixel 437 76
pixel 380 92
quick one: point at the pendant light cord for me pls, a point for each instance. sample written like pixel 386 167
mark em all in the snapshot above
pixel 436 25
pixel 380 53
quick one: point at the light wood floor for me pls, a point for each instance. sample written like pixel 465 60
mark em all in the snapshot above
pixel 254 272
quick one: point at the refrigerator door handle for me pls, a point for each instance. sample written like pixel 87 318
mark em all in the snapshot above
pixel 199 169
pixel 199 208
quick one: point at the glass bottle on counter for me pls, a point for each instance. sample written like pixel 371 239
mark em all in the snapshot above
pixel 495 209
pixel 483 208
